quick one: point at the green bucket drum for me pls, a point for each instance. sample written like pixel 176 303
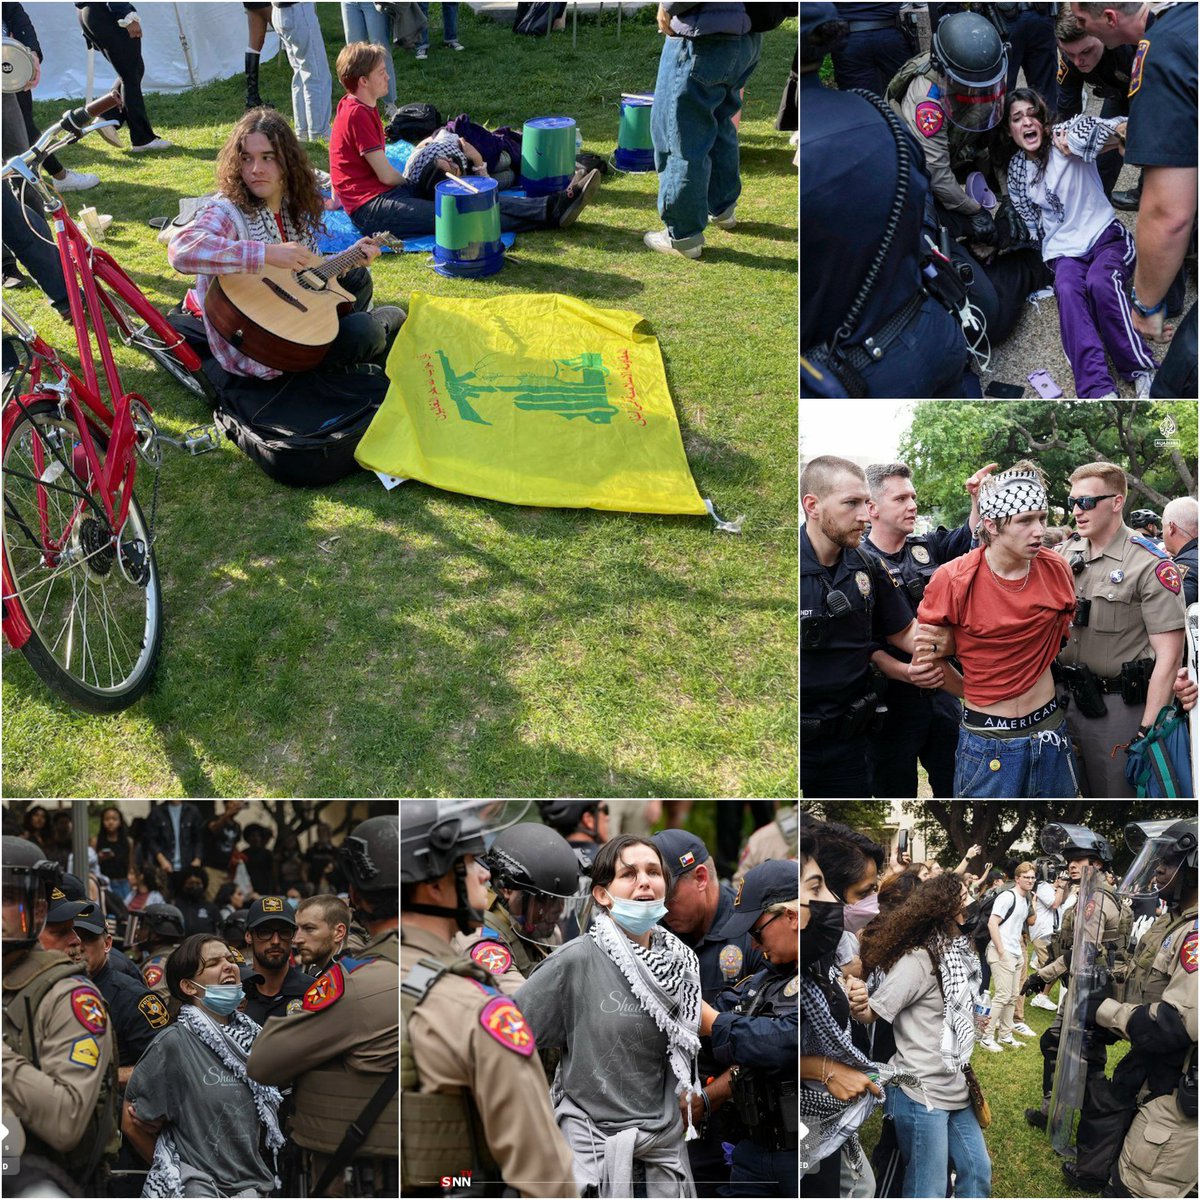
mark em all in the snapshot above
pixel 547 155
pixel 467 228
pixel 635 147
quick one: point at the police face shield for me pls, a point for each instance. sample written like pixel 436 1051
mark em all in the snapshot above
pixel 1157 864
pixel 971 65
pixel 457 820
pixel 537 915
pixel 975 107
pixel 25 904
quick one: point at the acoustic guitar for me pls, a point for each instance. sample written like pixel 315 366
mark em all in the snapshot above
pixel 286 319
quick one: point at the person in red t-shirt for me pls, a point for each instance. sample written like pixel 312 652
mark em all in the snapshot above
pixel 1004 609
pixel 378 198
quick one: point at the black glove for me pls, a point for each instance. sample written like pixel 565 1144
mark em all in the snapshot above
pixel 1034 983
pixel 1011 231
pixel 983 228
pixel 1096 999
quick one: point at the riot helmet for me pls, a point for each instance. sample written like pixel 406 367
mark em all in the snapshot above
pixel 1142 517
pixel 969 63
pixel 435 838
pixel 1075 841
pixel 163 921
pixel 542 867
pixel 565 815
pixel 1164 864
pixel 370 858
pixel 27 876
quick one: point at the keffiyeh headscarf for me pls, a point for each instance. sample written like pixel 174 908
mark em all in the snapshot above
pixel 665 980
pixel 1010 493
pixel 231 1044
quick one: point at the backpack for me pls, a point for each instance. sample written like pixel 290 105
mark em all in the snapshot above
pixel 536 19
pixel 301 430
pixel 1160 764
pixel 413 123
pixel 980 935
pixel 765 17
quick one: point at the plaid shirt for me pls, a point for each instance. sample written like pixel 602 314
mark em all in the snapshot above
pixel 213 245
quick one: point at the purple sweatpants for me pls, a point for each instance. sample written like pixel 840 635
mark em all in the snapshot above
pixel 1094 313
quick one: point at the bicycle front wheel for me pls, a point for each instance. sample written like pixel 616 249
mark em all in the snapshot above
pixel 135 331
pixel 95 610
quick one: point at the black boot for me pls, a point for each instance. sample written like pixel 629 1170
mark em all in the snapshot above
pixel 1037 1116
pixel 1085 1183
pixel 253 99
pixel 1127 201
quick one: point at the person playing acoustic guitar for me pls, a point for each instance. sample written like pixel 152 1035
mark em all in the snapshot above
pixel 267 211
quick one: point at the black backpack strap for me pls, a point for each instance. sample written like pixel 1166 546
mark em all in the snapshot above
pixel 359 1128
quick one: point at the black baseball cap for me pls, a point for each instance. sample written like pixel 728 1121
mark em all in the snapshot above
pixel 68 900
pixel 771 882
pixel 270 908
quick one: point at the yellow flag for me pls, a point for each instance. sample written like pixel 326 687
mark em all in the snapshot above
pixel 539 400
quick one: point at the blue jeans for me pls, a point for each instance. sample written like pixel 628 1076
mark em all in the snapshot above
pixel 930 1141
pixel 758 1171
pixel 695 143
pixel 449 24
pixel 398 211
pixel 1041 766
pixel 312 84
pixel 365 23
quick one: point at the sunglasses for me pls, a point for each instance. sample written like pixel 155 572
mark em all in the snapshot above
pixel 1087 503
pixel 756 934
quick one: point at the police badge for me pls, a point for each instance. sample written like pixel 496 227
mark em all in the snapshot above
pixel 863 580
pixel 921 555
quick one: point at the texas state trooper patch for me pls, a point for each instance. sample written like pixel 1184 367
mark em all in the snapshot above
pixel 730 961
pixel 154 1010
pixel 152 976
pixel 89 1010
pixel 929 118
pixel 491 956
pixel 1187 953
pixel 502 1019
pixel 326 990
pixel 1168 575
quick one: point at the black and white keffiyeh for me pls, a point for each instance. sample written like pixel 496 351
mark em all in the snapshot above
pixel 665 980
pixel 1010 493
pixel 959 974
pixel 231 1044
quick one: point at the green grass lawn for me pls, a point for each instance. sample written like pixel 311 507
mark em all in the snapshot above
pixel 1023 1162
pixel 352 641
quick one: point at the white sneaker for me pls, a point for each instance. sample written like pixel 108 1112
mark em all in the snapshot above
pixel 422 53
pixel 1023 1029
pixel 76 181
pixel 1044 1002
pixel 156 144
pixel 1142 381
pixel 1012 1041
pixel 660 240
pixel 992 1045
pixel 724 220
pixel 454 44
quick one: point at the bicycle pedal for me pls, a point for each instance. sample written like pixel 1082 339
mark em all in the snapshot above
pixel 200 439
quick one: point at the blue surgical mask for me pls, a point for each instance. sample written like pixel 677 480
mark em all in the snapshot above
pixel 637 916
pixel 222 998
pixel 293 903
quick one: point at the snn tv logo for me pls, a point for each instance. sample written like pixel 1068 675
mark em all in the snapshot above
pixel 455 1181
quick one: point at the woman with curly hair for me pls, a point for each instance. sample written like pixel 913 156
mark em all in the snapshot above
pixel 267 211
pixel 928 993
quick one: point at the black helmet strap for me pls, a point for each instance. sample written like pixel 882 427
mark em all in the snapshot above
pixel 465 917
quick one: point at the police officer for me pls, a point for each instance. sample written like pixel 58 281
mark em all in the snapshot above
pixel 1158 1157
pixel 73 886
pixel 1080 847
pixel 877 43
pixel 776 839
pixel 1084 59
pixel 270 927
pixel 156 930
pixel 59 1075
pixel 1161 876
pixel 921 723
pixel 849 606
pixel 1127 641
pixel 1148 523
pixel 875 306
pixel 340 1050
pixel 950 97
pixel 469 1074
pixel 535 884
pixel 1179 541
pixel 1029 32
pixel 698 905
pixel 584 823
pixel 757 1033
pixel 1161 137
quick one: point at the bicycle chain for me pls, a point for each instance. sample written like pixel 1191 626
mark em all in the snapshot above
pixel 153 510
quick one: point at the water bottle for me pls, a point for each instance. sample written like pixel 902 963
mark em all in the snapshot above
pixel 578 140
pixel 983 1012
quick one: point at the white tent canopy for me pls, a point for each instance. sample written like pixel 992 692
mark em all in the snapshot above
pixel 183 46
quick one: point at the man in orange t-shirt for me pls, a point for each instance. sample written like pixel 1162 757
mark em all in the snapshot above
pixel 1004 609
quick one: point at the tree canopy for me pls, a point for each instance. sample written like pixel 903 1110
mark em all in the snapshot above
pixel 1155 443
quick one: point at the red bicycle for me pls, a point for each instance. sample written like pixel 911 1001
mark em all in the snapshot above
pixel 82 596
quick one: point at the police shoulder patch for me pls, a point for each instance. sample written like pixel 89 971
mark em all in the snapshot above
pixel 929 118
pixel 154 1010
pixel 1167 573
pixel 793 986
pixel 237 955
pixel 85 1052
pixel 1187 953
pixel 327 989
pixel 89 1010
pixel 502 1020
pixel 152 976
pixel 1139 61
pixel 1062 67
pixel 491 956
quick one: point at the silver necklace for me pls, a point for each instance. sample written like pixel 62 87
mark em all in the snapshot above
pixel 1006 584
